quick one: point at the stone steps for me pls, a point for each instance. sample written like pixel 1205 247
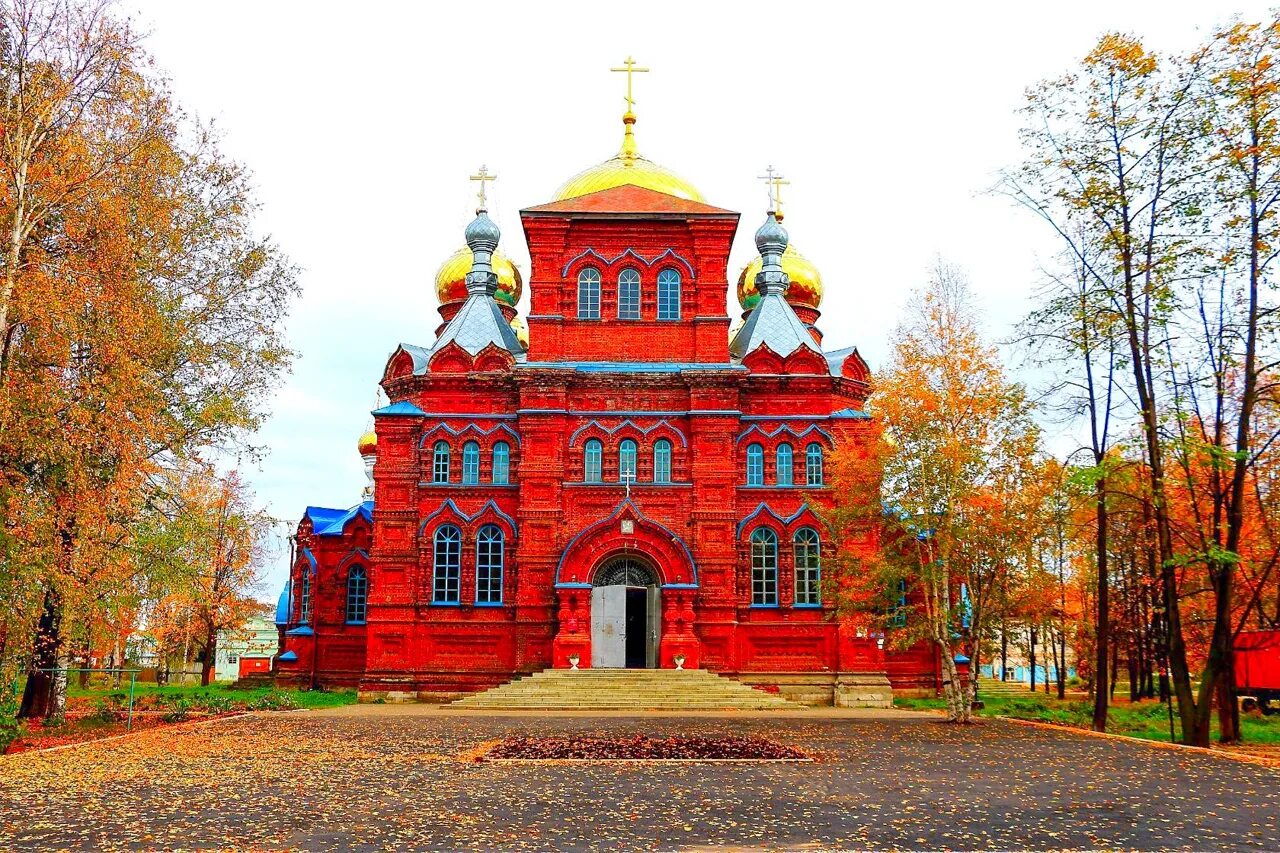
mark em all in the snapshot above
pixel 623 689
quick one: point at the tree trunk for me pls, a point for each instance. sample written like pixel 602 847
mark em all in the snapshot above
pixel 210 649
pixel 1101 628
pixel 37 697
pixel 1032 657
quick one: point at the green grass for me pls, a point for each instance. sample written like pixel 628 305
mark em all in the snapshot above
pixel 217 696
pixel 1148 719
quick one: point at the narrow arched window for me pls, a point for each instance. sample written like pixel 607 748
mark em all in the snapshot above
pixel 357 595
pixel 627 461
pixel 764 567
pixel 304 599
pixel 813 464
pixel 592 457
pixel 783 467
pixel 668 295
pixel 501 463
pixel 489 565
pixel 589 294
pixel 808 554
pixel 440 462
pixel 662 461
pixel 629 295
pixel 446 575
pixel 755 465
pixel 470 463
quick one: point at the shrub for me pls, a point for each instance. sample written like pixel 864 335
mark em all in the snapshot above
pixel 273 701
pixel 110 708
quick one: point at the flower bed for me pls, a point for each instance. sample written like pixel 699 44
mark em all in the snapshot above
pixel 641 748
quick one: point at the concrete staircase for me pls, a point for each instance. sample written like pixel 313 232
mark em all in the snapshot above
pixel 995 687
pixel 624 690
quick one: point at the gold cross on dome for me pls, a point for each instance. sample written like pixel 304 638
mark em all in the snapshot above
pixel 629 68
pixel 775 183
pixel 483 177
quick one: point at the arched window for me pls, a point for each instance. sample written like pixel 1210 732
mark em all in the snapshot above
pixel 446 575
pixel 627 461
pixel 592 455
pixel 501 463
pixel 755 465
pixel 629 295
pixel 489 565
pixel 764 567
pixel 357 595
pixel 783 467
pixel 304 599
pixel 668 295
pixel 589 294
pixel 808 555
pixel 440 462
pixel 662 461
pixel 470 463
pixel 813 464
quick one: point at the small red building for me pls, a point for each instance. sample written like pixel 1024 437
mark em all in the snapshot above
pixel 626 486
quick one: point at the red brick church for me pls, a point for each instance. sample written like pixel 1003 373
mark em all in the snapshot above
pixel 623 485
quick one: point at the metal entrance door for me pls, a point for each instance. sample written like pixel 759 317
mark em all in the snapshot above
pixel 609 626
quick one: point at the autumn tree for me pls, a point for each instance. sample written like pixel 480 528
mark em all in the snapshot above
pixel 142 318
pixel 953 430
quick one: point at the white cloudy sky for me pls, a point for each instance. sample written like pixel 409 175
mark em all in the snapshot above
pixel 363 121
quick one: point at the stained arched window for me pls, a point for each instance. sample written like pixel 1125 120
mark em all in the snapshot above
pixel 440 462
pixel 755 465
pixel 592 457
pixel 304 598
pixel 446 574
pixel 470 463
pixel 589 294
pixel 813 464
pixel 783 467
pixel 357 595
pixel 662 461
pixel 501 463
pixel 808 554
pixel 629 295
pixel 764 567
pixel 489 565
pixel 668 295
pixel 627 461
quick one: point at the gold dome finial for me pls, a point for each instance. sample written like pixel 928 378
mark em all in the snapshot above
pixel 628 150
pixel 774 183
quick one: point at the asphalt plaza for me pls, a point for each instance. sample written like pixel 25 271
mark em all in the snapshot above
pixel 377 777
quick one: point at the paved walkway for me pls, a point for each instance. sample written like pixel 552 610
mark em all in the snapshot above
pixel 386 776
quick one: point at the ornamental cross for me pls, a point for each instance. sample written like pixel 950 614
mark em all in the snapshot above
pixel 628 477
pixel 775 184
pixel 483 177
pixel 629 68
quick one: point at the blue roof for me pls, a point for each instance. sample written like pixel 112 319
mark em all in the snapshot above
pixel 282 605
pixel 851 413
pixel 403 407
pixel 331 522
pixel 289 656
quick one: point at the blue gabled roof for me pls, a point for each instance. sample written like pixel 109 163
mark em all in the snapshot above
pixel 403 407
pixel 331 522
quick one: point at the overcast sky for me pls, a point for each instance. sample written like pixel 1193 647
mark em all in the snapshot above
pixel 362 122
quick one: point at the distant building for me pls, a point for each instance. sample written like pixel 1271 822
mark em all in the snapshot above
pixel 1016 664
pixel 246 650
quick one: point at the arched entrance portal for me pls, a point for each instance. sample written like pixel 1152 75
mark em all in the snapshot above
pixel 626 615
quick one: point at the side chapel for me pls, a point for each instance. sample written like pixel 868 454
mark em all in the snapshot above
pixel 620 483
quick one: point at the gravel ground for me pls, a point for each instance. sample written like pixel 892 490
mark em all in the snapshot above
pixel 380 777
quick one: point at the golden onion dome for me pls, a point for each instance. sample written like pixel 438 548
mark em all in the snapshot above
pixel 806 281
pixel 628 169
pixel 451 278
pixel 368 444
pixel 522 331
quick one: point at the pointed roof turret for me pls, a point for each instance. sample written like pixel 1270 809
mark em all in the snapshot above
pixel 772 322
pixel 479 322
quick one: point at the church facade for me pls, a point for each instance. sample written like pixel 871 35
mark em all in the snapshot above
pixel 628 483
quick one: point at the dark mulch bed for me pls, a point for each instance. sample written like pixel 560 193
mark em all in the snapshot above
pixel 642 748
